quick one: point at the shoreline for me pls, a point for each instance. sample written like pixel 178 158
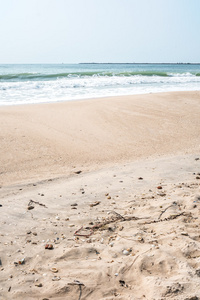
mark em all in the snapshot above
pixel 61 138
pixel 99 98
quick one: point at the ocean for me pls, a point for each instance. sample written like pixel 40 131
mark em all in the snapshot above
pixel 39 83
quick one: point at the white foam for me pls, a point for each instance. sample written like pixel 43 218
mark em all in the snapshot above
pixel 91 87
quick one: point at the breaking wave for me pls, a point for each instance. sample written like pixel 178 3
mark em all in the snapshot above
pixel 54 76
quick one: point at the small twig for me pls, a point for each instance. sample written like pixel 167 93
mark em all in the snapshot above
pixel 79 298
pixel 174 203
pixel 106 222
pixel 119 217
pixel 36 202
pixel 76 282
pixel 128 268
pixel 76 233
pixel 172 217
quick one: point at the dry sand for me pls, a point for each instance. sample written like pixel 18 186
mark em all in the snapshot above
pixel 137 198
pixel 49 140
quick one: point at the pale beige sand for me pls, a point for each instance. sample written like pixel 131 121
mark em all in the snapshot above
pixel 41 141
pixel 120 142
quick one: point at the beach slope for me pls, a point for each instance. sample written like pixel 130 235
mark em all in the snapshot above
pixel 100 199
pixel 49 140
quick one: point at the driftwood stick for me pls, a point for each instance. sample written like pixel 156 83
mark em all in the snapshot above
pixel 76 233
pixel 36 202
pixel 76 282
pixel 124 219
pixel 174 203
pixel 80 288
pixel 106 222
pixel 172 217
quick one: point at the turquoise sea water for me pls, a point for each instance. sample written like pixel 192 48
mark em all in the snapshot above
pixel 21 84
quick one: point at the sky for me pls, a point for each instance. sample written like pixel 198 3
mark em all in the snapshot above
pixel 74 31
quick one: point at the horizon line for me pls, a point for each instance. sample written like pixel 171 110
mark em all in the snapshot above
pixel 125 63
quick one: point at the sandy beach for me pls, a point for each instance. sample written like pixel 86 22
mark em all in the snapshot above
pixel 50 140
pixel 100 199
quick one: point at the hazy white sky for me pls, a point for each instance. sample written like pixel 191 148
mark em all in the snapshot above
pixel 72 31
